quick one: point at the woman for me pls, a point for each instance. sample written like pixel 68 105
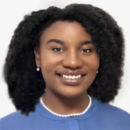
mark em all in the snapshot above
pixel 63 67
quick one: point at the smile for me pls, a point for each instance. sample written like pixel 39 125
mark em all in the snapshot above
pixel 71 80
pixel 71 76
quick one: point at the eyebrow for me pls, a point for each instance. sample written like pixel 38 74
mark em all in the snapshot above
pixel 61 42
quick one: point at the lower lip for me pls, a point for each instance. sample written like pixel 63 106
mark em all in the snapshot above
pixel 70 82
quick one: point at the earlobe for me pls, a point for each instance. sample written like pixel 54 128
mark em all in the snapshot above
pixel 37 57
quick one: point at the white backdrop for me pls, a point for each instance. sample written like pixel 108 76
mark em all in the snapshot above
pixel 12 12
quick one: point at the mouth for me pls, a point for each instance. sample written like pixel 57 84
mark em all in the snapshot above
pixel 71 76
pixel 71 80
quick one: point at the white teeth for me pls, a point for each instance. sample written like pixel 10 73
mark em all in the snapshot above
pixel 71 77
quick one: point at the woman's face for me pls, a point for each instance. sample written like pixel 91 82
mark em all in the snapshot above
pixel 67 58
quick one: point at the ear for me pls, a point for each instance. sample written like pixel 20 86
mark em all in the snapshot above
pixel 37 57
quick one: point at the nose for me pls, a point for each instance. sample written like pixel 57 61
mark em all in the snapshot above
pixel 72 60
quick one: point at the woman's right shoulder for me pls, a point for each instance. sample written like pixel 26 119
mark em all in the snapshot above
pixel 13 120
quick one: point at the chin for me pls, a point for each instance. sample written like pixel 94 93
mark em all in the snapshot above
pixel 71 95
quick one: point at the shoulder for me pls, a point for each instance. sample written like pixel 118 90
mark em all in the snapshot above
pixel 114 111
pixel 15 120
pixel 106 108
pixel 113 115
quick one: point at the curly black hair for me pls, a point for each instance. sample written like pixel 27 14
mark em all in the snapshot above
pixel 26 85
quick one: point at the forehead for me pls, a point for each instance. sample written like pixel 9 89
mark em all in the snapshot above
pixel 65 31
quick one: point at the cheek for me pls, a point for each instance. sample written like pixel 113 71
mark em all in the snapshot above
pixel 49 62
pixel 93 63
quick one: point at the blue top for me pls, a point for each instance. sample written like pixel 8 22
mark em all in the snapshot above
pixel 99 116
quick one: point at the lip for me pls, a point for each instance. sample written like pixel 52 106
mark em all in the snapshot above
pixel 77 72
pixel 71 82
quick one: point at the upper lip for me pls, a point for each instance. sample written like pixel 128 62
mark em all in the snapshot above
pixel 77 72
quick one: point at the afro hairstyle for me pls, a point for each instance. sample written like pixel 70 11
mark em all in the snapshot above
pixel 26 85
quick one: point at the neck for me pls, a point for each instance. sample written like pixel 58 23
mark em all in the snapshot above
pixel 63 105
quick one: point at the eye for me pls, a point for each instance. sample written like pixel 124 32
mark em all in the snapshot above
pixel 57 49
pixel 87 50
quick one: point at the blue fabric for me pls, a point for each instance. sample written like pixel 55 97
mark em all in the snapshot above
pixel 99 117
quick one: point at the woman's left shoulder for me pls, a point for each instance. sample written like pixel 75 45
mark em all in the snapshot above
pixel 113 110
pixel 106 108
pixel 110 114
pixel 115 114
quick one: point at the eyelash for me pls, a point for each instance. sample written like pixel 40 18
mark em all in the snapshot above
pixel 55 48
pixel 90 50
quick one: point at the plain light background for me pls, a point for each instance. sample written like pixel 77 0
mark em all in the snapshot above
pixel 12 12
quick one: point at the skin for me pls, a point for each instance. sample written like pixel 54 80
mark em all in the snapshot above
pixel 71 55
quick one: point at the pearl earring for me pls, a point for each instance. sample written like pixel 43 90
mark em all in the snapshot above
pixel 38 69
pixel 97 72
